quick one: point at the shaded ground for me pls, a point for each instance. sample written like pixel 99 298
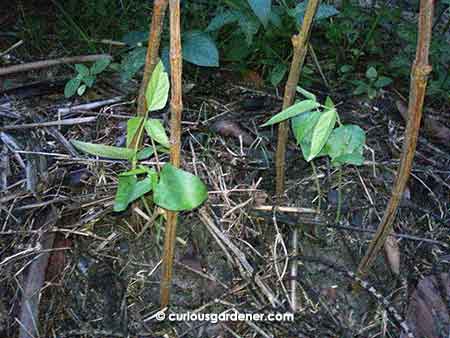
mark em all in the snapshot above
pixel 102 278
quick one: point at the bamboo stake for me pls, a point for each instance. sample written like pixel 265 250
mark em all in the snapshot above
pixel 176 104
pixel 151 60
pixel 419 75
pixel 300 47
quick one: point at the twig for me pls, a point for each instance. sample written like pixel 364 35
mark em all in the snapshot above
pixel 175 144
pixel 299 43
pixel 9 49
pixel 49 63
pixel 419 75
pixel 50 123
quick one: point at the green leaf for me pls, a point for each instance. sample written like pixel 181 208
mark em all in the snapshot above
pixel 262 9
pixel 82 69
pixel 361 89
pixel 303 127
pixel 179 190
pixel 133 125
pixel 277 74
pixel 200 49
pixel 345 145
pixel 156 131
pixel 306 94
pixel 371 73
pixel 101 150
pixel 89 80
pixel 292 111
pixel 249 25
pixel 382 81
pixel 131 63
pixel 99 66
pixel 346 69
pixel 141 169
pixel 145 153
pixel 224 18
pixel 81 89
pixel 321 132
pixel 371 93
pixel 329 103
pixel 71 87
pixel 158 89
pixel 130 189
pixel 323 12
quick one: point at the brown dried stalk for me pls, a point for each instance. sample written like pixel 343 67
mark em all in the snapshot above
pixel 419 75
pixel 151 60
pixel 300 47
pixel 26 67
pixel 176 104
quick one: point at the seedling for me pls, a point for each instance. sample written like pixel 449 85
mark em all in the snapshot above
pixel 173 189
pixel 85 77
pixel 372 84
pixel 313 125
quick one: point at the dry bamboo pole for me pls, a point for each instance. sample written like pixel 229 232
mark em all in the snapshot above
pixel 176 105
pixel 151 60
pixel 419 75
pixel 300 47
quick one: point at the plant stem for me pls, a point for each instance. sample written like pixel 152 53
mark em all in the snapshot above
pixel 339 204
pixel 300 47
pixel 419 75
pixel 175 142
pixel 316 181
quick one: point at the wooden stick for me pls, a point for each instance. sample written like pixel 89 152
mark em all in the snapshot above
pixel 300 46
pixel 419 75
pixel 48 63
pixel 176 104
pixel 151 60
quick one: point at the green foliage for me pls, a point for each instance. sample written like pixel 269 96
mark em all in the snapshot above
pixel 315 132
pixel 372 84
pixel 85 77
pixel 179 190
pixel 266 28
pixel 174 189
pixel 157 90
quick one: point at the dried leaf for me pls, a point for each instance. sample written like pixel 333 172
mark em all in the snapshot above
pixel 229 128
pixel 428 313
pixel 392 253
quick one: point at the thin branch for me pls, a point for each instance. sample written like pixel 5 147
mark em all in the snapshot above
pixel 419 75
pixel 48 63
pixel 176 104
pixel 300 46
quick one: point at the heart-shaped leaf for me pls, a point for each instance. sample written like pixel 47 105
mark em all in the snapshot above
pixel 156 131
pixel 200 49
pixel 158 88
pixel 71 87
pixel 321 132
pixel 133 126
pixel 179 190
pixel 262 9
pixel 345 145
pixel 99 66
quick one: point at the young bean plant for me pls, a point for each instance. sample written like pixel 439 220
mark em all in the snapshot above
pixel 313 126
pixel 173 189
